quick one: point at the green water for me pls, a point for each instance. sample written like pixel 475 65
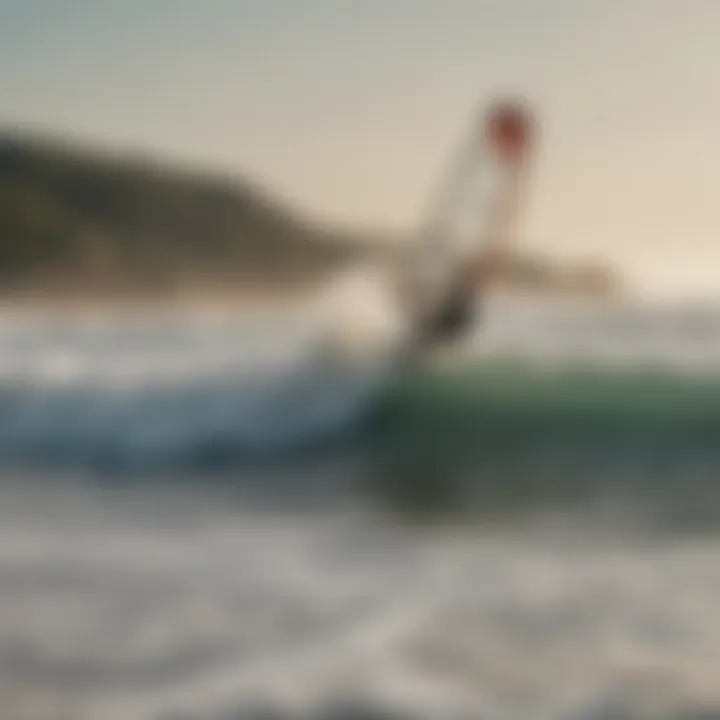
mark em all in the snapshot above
pixel 499 436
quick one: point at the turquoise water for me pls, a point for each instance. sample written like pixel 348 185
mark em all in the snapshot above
pixel 497 435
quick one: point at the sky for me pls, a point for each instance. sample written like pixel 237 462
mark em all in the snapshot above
pixel 350 109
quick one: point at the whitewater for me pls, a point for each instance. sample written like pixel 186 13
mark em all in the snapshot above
pixel 215 514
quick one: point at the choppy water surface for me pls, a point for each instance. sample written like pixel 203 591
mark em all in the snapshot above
pixel 203 518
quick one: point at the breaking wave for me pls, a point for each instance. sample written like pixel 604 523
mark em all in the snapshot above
pixel 191 388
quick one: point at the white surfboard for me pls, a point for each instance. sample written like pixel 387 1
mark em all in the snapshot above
pixel 478 203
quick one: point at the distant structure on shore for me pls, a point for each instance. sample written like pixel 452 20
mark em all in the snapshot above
pixel 77 221
pixel 587 279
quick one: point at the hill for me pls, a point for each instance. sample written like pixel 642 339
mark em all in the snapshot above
pixel 77 221
pixel 73 218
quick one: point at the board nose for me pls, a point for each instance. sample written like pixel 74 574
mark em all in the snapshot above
pixel 508 129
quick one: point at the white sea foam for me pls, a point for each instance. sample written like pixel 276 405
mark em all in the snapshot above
pixel 143 604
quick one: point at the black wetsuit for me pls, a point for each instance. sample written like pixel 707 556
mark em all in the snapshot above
pixel 449 321
pixel 444 324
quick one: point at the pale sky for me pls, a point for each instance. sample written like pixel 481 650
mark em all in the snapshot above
pixel 351 108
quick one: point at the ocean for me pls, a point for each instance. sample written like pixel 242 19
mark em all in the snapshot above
pixel 207 515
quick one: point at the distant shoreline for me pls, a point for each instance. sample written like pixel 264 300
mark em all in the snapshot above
pixel 242 298
pixel 79 303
